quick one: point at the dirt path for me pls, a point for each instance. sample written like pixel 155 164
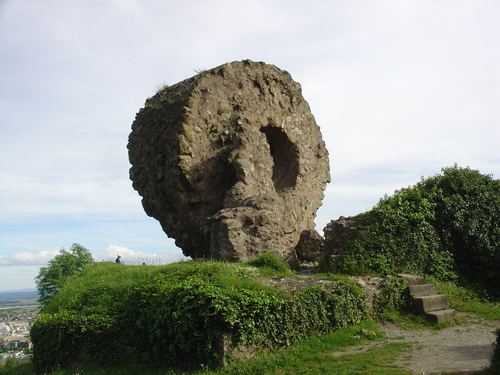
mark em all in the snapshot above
pixel 460 349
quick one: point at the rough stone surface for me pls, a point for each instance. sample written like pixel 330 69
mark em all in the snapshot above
pixel 337 232
pixel 231 162
pixel 311 246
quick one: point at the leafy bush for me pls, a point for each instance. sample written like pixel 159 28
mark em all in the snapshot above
pixel 393 297
pixel 60 269
pixel 182 311
pixel 399 238
pixel 467 216
pixel 9 364
pixel 447 225
pixel 61 338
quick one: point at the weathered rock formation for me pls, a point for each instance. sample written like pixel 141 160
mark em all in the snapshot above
pixel 311 246
pixel 231 162
pixel 337 233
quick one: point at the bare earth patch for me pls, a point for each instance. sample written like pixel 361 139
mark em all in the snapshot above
pixel 459 349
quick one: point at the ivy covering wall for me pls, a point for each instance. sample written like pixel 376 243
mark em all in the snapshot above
pixel 447 225
pixel 114 313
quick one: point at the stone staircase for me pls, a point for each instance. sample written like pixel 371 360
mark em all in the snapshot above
pixel 427 300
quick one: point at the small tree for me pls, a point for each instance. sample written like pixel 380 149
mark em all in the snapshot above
pixel 64 265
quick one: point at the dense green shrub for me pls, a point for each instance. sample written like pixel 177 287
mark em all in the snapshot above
pixel 467 216
pixel 60 269
pixel 64 337
pixel 393 297
pixel 447 225
pixel 10 363
pixel 176 315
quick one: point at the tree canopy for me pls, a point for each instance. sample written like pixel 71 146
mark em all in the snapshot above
pixel 63 266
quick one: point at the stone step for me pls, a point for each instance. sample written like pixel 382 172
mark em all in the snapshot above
pixel 427 300
pixel 441 316
pixel 423 290
pixel 431 303
pixel 412 279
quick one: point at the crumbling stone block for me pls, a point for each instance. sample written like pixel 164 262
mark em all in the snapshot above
pixel 310 246
pixel 231 162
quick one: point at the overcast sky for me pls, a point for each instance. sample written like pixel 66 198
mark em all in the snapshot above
pixel 399 88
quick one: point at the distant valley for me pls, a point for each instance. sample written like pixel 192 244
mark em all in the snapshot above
pixel 21 298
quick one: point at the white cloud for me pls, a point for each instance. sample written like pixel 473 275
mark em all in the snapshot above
pixel 34 196
pixel 136 257
pixel 41 258
pixel 27 258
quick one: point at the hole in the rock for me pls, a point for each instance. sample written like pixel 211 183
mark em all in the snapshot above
pixel 285 156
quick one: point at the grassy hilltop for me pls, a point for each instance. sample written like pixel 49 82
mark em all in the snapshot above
pixel 191 317
pixel 199 310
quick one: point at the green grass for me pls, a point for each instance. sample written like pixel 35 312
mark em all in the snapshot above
pixel 270 265
pixel 465 299
pixel 161 87
pixel 26 369
pixel 461 298
pixel 104 285
pixel 315 356
pixel 412 322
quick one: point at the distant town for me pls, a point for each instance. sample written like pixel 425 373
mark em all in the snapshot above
pixel 18 312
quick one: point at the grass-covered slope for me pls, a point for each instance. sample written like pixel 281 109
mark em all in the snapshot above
pixel 192 310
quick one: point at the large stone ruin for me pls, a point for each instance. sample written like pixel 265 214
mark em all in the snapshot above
pixel 231 162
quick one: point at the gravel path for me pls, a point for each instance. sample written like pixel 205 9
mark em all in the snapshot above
pixel 459 349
